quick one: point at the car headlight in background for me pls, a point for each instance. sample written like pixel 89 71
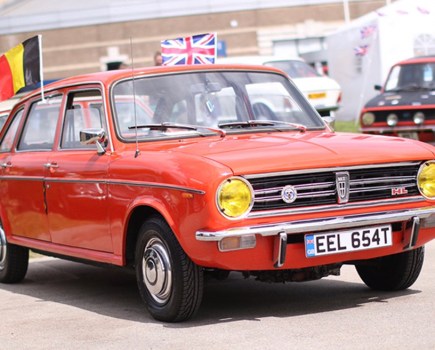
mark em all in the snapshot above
pixel 392 119
pixel 426 179
pixel 235 197
pixel 419 118
pixel 368 118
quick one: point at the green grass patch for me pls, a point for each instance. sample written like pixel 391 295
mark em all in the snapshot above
pixel 346 126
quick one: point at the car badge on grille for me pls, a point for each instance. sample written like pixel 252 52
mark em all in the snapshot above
pixel 342 183
pixel 289 194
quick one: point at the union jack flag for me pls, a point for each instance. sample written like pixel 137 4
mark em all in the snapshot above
pixel 423 10
pixel 196 49
pixel 367 31
pixel 361 50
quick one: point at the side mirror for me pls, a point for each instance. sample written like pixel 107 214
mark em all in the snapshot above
pixel 330 121
pixel 94 137
pixel 378 87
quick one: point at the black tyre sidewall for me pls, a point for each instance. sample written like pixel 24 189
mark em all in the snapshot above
pixel 174 310
pixel 15 265
pixel 394 272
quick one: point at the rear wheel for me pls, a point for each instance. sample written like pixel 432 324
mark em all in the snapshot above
pixel 393 272
pixel 14 260
pixel 169 282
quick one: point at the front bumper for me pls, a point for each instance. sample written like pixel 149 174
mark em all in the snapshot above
pixel 397 129
pixel 415 218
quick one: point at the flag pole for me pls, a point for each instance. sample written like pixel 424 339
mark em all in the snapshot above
pixel 41 70
pixel 215 47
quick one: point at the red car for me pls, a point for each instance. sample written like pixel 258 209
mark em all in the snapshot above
pixel 178 172
pixel 406 105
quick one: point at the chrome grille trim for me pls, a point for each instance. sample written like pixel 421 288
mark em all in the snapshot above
pixel 318 188
pixel 327 208
pixel 335 169
pixel 382 179
pixel 371 189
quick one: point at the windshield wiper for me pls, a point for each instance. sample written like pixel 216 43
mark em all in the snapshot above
pixel 254 123
pixel 166 125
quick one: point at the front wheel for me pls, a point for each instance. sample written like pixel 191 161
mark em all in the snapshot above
pixel 393 272
pixel 170 284
pixel 14 260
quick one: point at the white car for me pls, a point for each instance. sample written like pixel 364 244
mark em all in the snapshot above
pixel 323 92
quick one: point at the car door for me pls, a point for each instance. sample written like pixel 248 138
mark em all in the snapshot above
pixel 23 181
pixel 76 184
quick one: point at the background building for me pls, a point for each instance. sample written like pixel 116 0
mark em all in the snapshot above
pixel 84 36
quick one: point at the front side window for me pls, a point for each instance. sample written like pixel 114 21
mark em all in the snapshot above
pixel 84 111
pixel 40 126
pixel 199 103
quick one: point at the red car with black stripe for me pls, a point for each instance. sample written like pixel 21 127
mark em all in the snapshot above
pixel 406 105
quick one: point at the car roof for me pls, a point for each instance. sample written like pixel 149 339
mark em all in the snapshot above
pixel 418 59
pixel 258 60
pixel 109 77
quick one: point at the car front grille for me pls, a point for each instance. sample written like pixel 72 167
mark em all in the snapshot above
pixel 320 187
pixel 404 115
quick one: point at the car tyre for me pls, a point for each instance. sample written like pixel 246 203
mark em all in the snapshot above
pixel 394 272
pixel 14 260
pixel 170 284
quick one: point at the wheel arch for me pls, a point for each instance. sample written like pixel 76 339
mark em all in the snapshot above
pixel 137 217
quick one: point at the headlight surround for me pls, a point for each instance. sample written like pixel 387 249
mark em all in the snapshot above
pixel 418 118
pixel 426 180
pixel 392 119
pixel 368 118
pixel 235 197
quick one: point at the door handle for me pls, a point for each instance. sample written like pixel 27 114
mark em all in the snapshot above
pixel 51 165
pixel 6 165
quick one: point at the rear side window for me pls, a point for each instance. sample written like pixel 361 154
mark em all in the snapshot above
pixel 8 139
pixel 40 126
pixel 2 120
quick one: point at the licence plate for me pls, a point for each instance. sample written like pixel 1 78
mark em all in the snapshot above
pixel 409 135
pixel 317 95
pixel 348 241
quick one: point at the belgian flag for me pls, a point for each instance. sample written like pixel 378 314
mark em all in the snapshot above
pixel 19 67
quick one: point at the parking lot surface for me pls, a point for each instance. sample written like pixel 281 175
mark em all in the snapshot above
pixel 67 305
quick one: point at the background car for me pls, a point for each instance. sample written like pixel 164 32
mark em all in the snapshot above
pixel 322 92
pixel 405 106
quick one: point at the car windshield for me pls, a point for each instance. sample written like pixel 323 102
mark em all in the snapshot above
pixel 410 77
pixel 294 68
pixel 203 103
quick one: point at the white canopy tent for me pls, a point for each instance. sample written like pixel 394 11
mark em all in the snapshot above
pixel 361 53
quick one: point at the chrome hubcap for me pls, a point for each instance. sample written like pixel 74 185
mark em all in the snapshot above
pixel 2 248
pixel 157 271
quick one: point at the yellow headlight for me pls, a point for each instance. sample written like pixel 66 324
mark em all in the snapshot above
pixel 234 197
pixel 426 180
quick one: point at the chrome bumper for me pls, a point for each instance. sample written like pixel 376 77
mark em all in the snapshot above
pixel 397 129
pixel 426 217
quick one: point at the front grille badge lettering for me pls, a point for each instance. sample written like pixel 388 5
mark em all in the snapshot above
pixel 342 185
